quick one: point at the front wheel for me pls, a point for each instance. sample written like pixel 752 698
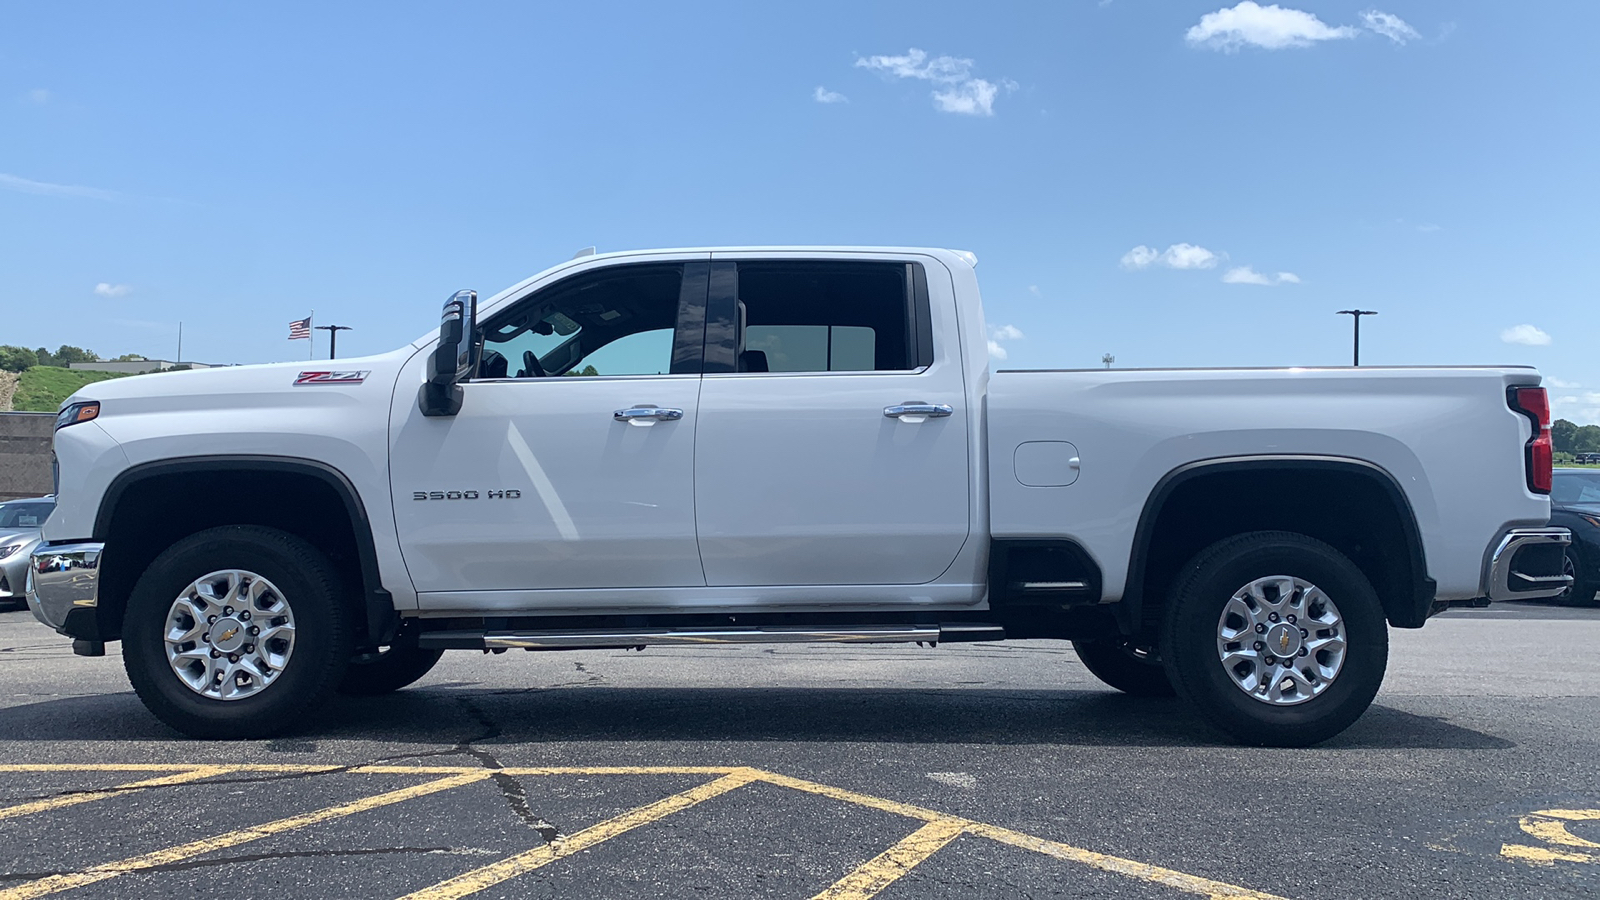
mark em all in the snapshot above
pixel 236 632
pixel 388 670
pixel 1276 638
pixel 1582 591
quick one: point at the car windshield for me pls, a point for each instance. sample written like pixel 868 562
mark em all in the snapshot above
pixel 1576 487
pixel 29 514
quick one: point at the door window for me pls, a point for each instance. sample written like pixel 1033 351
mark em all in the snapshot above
pixel 621 320
pixel 817 316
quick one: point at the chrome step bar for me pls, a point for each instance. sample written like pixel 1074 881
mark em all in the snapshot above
pixel 609 638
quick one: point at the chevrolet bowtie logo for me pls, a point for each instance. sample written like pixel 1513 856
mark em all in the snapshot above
pixel 235 630
pixel 1283 640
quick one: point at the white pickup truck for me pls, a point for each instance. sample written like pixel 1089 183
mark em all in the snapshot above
pixel 781 445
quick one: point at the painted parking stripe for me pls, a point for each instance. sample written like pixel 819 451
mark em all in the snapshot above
pixel 507 869
pixel 94 874
pixel 74 799
pixel 887 867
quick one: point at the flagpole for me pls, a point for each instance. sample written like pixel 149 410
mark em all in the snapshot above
pixel 311 350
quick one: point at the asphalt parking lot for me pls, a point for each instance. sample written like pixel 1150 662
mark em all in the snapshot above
pixel 796 771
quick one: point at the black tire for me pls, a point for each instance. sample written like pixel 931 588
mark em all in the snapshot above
pixel 1190 642
pixel 306 580
pixel 386 671
pixel 1583 587
pixel 1126 666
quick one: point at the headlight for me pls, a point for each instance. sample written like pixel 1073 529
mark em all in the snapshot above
pixel 78 412
pixel 9 549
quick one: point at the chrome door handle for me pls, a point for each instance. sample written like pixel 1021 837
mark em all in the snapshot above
pixel 931 410
pixel 647 413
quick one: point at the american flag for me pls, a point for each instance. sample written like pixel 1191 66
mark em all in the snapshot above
pixel 300 329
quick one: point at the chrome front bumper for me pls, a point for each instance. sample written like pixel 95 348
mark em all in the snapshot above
pixel 61 578
pixel 1528 564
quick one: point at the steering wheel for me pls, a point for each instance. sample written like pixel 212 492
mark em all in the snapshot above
pixel 531 367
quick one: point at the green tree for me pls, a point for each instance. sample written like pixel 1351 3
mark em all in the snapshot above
pixel 46 358
pixel 1563 434
pixel 66 355
pixel 587 370
pixel 130 357
pixel 16 359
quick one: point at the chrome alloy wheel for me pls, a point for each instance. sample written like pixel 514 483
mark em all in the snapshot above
pixel 1281 640
pixel 229 634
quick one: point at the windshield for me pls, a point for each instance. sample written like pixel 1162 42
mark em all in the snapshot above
pixel 1576 487
pixel 30 514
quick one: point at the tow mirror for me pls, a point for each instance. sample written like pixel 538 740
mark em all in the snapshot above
pixel 453 359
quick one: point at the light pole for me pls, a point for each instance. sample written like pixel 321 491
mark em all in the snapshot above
pixel 1355 317
pixel 1108 359
pixel 333 337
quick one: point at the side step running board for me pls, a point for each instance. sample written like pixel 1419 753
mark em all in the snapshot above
pixel 600 639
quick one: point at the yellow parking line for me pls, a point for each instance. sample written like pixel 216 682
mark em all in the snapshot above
pixel 1212 890
pixel 887 867
pixel 522 863
pixel 194 774
pixel 373 769
pixel 55 883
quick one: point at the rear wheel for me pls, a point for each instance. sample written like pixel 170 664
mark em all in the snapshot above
pixel 1276 638
pixel 236 632
pixel 1128 666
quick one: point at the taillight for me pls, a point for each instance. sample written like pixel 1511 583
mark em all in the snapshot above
pixel 1540 459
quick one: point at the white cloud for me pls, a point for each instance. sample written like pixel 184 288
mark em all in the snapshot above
pixel 1526 335
pixel 29 186
pixel 105 289
pixel 823 95
pixel 39 96
pixel 1247 275
pixel 1188 256
pixel 1390 26
pixel 1002 333
pixel 1034 290
pixel 1270 27
pixel 1139 257
pixel 958 91
pixel 1428 227
pixel 1558 383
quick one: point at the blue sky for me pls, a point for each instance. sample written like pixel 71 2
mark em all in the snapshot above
pixel 236 166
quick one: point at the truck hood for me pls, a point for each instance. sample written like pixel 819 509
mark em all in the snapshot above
pixel 233 387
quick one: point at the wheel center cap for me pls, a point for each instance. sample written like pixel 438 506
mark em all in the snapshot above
pixel 228 635
pixel 1283 639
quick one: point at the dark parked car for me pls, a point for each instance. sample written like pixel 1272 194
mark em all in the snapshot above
pixel 1575 504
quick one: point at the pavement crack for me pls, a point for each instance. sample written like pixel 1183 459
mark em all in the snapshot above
pixel 263 857
pixel 516 796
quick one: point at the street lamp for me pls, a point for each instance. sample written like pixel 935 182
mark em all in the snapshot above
pixel 333 337
pixel 1108 359
pixel 1355 316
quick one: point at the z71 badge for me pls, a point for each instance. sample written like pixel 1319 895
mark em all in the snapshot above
pixel 332 377
pixel 466 495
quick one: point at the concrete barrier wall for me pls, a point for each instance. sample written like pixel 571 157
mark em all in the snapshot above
pixel 25 454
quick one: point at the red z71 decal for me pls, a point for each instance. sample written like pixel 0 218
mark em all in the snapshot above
pixel 332 377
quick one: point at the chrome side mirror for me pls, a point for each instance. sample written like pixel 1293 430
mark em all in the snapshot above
pixel 452 361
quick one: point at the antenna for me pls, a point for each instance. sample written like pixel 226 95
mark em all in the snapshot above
pixel 1108 359
pixel 587 251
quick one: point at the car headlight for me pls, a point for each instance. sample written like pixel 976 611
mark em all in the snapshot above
pixel 77 412
pixel 9 549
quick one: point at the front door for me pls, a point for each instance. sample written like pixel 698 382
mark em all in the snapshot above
pixel 571 462
pixel 833 434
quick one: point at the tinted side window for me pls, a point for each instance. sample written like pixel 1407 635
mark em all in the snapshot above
pixel 616 321
pixel 825 317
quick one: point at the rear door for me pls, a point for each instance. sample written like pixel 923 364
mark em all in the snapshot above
pixel 571 462
pixel 832 443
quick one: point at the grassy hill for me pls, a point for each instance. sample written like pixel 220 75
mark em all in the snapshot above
pixel 42 388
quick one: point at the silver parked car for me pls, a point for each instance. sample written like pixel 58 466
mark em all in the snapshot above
pixel 20 521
